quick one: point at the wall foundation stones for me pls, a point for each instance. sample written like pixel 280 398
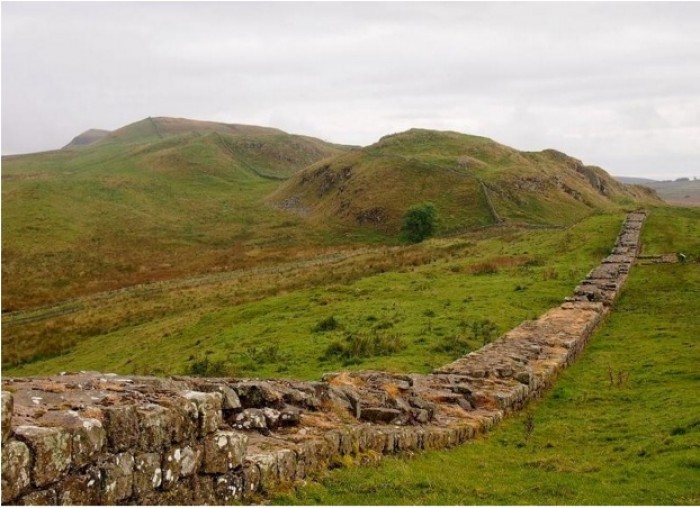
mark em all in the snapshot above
pixel 94 438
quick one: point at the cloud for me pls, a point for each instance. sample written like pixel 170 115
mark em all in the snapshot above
pixel 615 84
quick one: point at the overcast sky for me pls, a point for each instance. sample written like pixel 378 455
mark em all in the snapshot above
pixel 614 84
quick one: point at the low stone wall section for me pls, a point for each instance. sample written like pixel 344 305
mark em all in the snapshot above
pixel 91 438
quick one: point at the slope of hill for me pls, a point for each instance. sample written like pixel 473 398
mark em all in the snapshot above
pixel 164 198
pixel 678 192
pixel 88 137
pixel 472 180
pixel 157 199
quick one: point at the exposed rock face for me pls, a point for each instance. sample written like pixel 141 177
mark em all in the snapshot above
pixel 140 440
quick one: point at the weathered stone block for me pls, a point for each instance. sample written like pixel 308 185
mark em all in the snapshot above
pixel 224 451
pixel 258 394
pixel 88 442
pixel 348 443
pixel 376 439
pixel 390 442
pixel 80 490
pixel 209 409
pixel 16 469
pixel 203 491
pixel 88 436
pixel 251 419
pixel 420 416
pixel 332 438
pixel 301 469
pixel 359 438
pixel 171 467
pixel 289 416
pixel 354 399
pixel 228 488
pixel 51 451
pixel 272 417
pixel 180 494
pixel 148 474
pixel 185 419
pixel 286 465
pixel 380 414
pixel 121 424
pixel 406 440
pixel 117 478
pixel 191 460
pixel 7 407
pixel 315 453
pixel 230 399
pixel 180 462
pixel 45 497
pixel 267 465
pixel 251 479
pixel 155 427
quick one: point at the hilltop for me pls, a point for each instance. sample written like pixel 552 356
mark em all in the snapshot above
pixel 157 199
pixel 86 138
pixel 473 181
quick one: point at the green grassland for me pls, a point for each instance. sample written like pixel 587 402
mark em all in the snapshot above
pixel 168 198
pixel 621 426
pixel 165 247
pixel 141 205
pixel 416 304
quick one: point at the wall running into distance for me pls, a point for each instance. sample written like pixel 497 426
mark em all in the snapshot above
pixel 92 438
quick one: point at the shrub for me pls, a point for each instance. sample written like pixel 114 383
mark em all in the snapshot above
pixel 326 325
pixel 207 368
pixel 264 354
pixel 419 222
pixel 458 345
pixel 356 346
pixel 484 329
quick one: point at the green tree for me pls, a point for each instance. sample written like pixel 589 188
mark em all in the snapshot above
pixel 419 222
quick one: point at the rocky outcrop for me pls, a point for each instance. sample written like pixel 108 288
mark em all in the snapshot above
pixel 91 438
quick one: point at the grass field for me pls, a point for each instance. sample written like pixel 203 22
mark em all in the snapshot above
pixel 118 214
pixel 415 306
pixel 635 440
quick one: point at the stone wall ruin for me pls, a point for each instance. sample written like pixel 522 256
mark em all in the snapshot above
pixel 91 438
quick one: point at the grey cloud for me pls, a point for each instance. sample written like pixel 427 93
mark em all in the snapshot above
pixel 616 84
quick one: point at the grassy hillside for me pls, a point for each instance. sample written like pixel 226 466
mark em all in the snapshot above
pixel 170 236
pixel 158 199
pixel 417 304
pixel 88 137
pixel 594 442
pixel 473 181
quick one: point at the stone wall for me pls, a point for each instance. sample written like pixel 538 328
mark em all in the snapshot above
pixel 91 438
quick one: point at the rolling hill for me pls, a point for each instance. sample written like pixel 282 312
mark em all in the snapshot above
pixel 157 199
pixel 86 138
pixel 473 181
pixel 682 191
pixel 164 198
